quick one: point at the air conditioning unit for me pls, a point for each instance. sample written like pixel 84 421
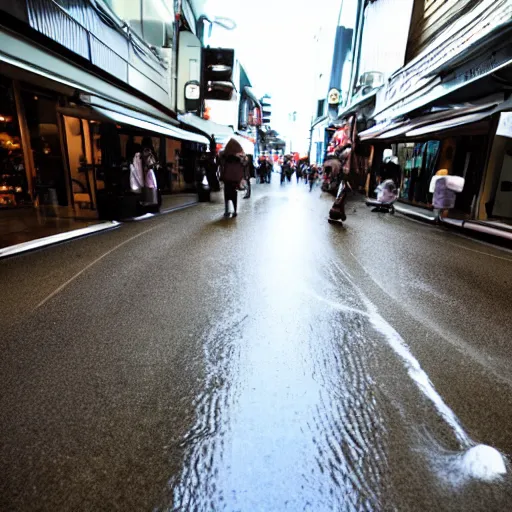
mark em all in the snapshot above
pixel 371 79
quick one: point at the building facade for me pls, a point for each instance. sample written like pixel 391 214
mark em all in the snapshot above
pixel 85 86
pixel 432 84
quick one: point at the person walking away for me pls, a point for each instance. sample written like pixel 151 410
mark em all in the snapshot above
pixel 298 172
pixel 262 170
pixel 249 172
pixel 289 172
pixel 313 176
pixel 285 169
pixel 231 173
pixel 150 194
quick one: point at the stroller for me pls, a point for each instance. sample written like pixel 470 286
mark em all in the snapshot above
pixel 387 194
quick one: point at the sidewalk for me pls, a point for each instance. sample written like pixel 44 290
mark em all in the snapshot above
pixel 22 231
pixel 497 229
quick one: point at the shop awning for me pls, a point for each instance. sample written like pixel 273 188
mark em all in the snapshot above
pixel 156 126
pixel 206 126
pixel 449 124
pixel 435 121
pixel 250 94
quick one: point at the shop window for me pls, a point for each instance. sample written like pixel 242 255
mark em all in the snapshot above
pixel 156 23
pixel 14 189
pixel 50 181
pixel 152 20
pixel 419 163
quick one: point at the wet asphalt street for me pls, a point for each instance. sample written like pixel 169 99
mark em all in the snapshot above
pixel 264 363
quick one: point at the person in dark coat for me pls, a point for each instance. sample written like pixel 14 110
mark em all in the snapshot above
pixel 250 172
pixel 232 164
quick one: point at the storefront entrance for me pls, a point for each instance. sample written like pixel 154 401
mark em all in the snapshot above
pixel 469 162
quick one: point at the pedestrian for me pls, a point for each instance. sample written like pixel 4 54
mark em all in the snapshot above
pixel 249 172
pixel 313 176
pixel 232 162
pixel 445 188
pixel 289 171
pixel 150 195
pixel 285 169
pixel 262 169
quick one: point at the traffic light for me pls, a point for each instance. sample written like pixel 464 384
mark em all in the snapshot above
pixel 266 107
pixel 218 73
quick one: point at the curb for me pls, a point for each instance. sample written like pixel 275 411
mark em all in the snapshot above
pixel 409 213
pixel 476 226
pixel 39 243
pixel 488 230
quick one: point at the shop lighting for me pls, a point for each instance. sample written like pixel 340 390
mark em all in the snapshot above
pixel 19 190
pixel 36 97
pixel 2 119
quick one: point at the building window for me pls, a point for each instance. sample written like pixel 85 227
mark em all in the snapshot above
pixel 319 153
pixel 320 108
pixel 129 11
pixel 156 22
pixel 150 19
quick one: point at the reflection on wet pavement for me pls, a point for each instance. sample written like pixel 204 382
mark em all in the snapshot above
pixel 269 362
pixel 313 401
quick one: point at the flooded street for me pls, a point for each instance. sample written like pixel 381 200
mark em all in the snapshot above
pixel 269 362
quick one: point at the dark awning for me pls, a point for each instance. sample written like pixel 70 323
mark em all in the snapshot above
pixel 134 119
pixel 248 92
pixel 436 121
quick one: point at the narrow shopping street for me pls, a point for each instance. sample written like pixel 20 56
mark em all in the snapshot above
pixel 269 362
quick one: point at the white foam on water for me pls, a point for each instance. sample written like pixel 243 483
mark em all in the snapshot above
pixel 481 462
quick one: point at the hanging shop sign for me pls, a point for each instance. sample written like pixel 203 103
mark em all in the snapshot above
pixel 333 98
pixel 505 125
pixel 468 32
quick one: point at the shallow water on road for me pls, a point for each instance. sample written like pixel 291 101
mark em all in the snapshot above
pixel 313 402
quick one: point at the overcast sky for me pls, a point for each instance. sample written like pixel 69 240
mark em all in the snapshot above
pixel 275 45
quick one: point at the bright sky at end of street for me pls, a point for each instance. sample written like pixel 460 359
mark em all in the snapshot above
pixel 274 41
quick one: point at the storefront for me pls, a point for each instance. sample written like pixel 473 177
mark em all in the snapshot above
pixel 496 197
pixel 64 158
pixel 461 151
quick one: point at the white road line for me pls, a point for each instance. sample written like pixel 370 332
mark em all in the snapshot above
pixel 87 267
pixel 478 461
